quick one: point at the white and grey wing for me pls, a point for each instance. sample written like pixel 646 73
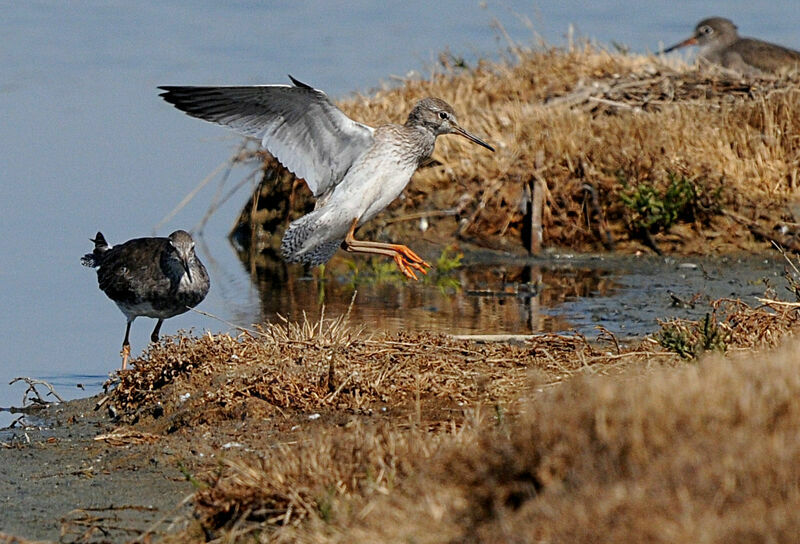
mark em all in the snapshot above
pixel 298 124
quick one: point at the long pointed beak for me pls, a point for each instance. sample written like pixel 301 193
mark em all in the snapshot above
pixel 472 138
pixel 185 264
pixel 684 43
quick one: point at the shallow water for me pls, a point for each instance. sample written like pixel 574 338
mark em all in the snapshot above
pixel 87 145
pixel 556 293
pixel 560 292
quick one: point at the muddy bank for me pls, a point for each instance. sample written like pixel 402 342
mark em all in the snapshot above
pixel 58 482
pixel 191 405
pixel 57 478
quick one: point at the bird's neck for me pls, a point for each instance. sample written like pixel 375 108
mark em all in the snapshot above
pixel 425 141
pixel 179 278
pixel 721 43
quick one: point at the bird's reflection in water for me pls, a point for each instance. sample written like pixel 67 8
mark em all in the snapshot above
pixel 485 298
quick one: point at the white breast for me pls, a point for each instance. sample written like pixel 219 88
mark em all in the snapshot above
pixel 373 184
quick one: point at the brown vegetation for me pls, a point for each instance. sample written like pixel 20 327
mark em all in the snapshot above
pixel 706 453
pixel 634 152
pixel 347 437
pixel 327 366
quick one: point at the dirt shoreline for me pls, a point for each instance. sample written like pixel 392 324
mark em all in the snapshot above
pixel 58 483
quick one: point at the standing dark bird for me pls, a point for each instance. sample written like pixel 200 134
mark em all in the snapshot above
pixel 355 171
pixel 151 277
pixel 721 44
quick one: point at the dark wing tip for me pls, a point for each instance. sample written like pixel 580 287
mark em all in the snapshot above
pixel 298 83
pixel 178 94
pixel 171 93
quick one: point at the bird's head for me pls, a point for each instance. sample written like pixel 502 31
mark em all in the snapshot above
pixel 438 116
pixel 715 31
pixel 183 247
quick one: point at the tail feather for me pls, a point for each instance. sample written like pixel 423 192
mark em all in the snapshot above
pixel 294 241
pixel 94 258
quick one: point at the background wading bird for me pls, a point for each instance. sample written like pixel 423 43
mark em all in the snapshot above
pixel 720 43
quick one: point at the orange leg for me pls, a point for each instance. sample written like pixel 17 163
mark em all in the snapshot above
pixel 126 353
pixel 126 345
pixel 407 261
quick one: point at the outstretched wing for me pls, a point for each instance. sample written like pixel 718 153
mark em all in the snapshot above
pixel 298 124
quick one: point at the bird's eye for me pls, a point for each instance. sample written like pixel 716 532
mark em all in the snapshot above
pixel 443 115
pixel 706 29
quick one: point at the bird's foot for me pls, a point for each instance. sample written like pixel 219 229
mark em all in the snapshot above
pixel 408 261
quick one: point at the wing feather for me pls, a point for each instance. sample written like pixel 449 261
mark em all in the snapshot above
pixel 298 124
pixel 766 56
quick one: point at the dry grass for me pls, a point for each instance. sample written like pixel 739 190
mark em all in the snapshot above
pixel 731 324
pixel 588 121
pixel 707 453
pixel 327 366
pixel 427 439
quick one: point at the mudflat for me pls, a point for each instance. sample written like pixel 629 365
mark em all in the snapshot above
pixel 59 481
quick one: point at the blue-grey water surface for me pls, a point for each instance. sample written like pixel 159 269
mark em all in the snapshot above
pixel 86 144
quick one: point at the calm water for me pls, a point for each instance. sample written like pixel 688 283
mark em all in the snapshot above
pixel 86 144
pixel 560 292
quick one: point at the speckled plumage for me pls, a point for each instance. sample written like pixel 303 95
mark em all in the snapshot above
pixel 354 170
pixel 151 277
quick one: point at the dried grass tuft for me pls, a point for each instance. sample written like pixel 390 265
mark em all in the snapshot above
pixel 705 453
pixel 325 364
pixel 291 484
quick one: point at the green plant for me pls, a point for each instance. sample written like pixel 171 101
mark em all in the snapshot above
pixel 676 339
pixel 690 339
pixel 448 262
pixel 652 210
pixel 325 504
pixel 373 271
pixel 190 477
